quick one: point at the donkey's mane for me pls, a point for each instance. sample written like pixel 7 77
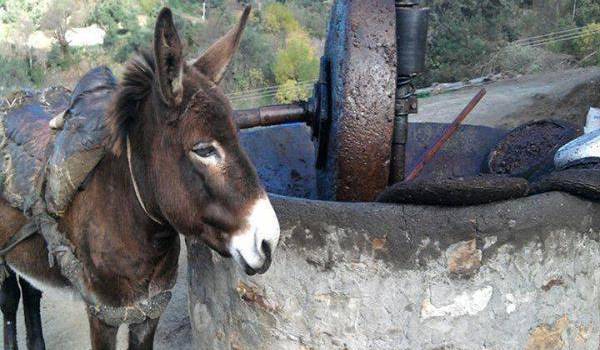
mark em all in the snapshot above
pixel 135 86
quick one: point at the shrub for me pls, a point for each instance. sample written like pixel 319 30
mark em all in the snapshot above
pixel 519 59
pixel 589 43
pixel 296 62
pixel 14 74
pixel 279 19
pixel 291 91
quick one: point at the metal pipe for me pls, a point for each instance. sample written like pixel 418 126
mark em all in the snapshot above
pixel 411 42
pixel 404 93
pixel 446 135
pixel 272 115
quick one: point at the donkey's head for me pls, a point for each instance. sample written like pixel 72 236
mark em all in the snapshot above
pixel 177 127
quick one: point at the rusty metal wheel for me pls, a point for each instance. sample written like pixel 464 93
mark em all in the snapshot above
pixel 360 56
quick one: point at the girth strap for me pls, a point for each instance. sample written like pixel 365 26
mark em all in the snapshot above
pixel 26 231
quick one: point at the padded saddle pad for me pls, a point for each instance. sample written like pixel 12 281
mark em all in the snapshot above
pixel 25 142
pixel 32 154
pixel 80 145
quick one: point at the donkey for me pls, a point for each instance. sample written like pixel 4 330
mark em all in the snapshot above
pixel 175 166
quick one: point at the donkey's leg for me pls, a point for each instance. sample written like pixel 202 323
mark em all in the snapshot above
pixel 141 336
pixel 33 318
pixel 103 336
pixel 9 303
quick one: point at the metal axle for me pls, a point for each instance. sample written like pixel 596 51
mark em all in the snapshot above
pixel 273 115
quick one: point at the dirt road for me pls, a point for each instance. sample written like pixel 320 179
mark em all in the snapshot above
pixel 563 95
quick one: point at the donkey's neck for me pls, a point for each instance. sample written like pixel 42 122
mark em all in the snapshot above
pixel 124 252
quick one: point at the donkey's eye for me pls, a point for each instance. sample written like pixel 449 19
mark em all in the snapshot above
pixel 205 150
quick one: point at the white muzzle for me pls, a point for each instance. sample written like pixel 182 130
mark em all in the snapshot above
pixel 253 246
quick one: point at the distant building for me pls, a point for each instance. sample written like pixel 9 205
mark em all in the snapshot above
pixel 86 36
pixel 76 37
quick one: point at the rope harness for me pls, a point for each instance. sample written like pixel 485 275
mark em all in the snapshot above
pixel 135 186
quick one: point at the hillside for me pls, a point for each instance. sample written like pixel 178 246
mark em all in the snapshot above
pixel 54 42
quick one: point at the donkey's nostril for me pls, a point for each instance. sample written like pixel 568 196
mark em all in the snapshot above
pixel 266 249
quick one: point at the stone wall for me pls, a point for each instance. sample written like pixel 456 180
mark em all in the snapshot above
pixel 521 274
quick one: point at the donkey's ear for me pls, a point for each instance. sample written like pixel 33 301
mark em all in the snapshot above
pixel 169 58
pixel 215 60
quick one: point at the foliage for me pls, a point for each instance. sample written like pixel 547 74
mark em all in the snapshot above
pixel 589 44
pixel 124 34
pixel 588 11
pixel 283 39
pixel 13 71
pixel 279 18
pixel 257 54
pixel 19 72
pixel 15 11
pixel 310 15
pixel 295 63
pixel 149 6
pixel 516 59
pixel 58 17
pixel 464 33
pixel 290 91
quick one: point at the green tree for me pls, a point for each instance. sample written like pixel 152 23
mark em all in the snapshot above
pixel 588 46
pixel 295 63
pixel 124 34
pixel 278 18
pixel 586 12
pixel 465 33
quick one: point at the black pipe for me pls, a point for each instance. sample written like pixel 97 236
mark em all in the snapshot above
pixel 411 40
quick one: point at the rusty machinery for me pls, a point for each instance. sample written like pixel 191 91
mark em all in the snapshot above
pixel 359 109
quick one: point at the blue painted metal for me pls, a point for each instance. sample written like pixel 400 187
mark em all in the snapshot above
pixel 285 158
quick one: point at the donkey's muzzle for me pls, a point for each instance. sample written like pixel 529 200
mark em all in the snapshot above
pixel 266 250
pixel 253 247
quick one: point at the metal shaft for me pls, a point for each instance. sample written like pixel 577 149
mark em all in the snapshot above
pixel 272 115
pixel 404 91
pixel 446 135
pixel 400 136
pixel 411 41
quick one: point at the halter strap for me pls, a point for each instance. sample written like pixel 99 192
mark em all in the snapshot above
pixel 135 186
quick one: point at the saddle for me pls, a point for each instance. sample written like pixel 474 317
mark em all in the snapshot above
pixel 38 163
pixel 50 141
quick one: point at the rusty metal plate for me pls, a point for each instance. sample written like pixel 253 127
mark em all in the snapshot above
pixel 361 50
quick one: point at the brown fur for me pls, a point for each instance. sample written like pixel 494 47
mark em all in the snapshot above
pixel 125 254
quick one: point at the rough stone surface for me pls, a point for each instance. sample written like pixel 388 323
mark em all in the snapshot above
pixel 464 258
pixel 374 276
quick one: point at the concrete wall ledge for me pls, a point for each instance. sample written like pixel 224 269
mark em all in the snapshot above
pixel 520 274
